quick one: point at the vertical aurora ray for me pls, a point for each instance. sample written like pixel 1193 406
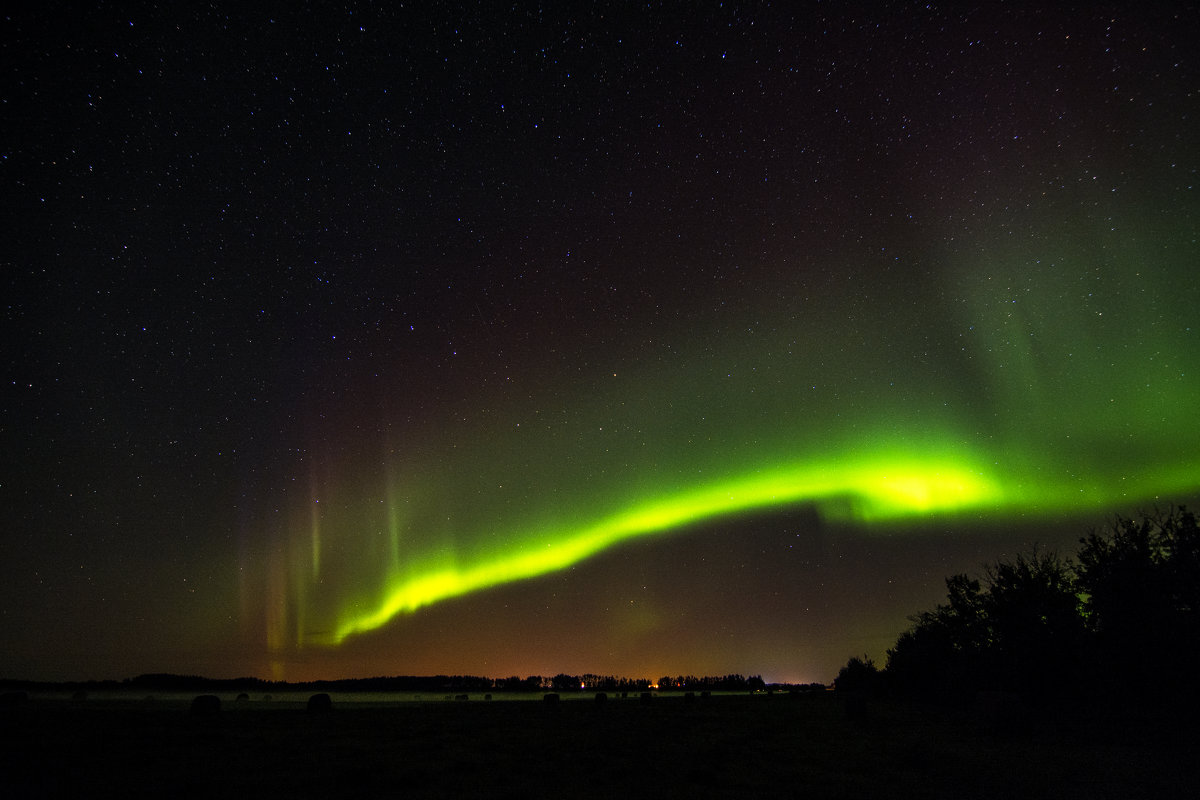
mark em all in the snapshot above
pixel 1008 386
pixel 315 527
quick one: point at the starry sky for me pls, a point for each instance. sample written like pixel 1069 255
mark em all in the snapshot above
pixel 633 339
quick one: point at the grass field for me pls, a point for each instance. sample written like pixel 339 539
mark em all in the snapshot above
pixel 721 746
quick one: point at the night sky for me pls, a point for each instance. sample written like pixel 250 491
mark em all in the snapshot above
pixel 628 339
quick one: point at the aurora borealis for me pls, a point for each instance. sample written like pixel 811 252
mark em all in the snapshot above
pixel 633 340
pixel 547 498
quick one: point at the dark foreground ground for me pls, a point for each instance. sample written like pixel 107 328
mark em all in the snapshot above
pixel 810 746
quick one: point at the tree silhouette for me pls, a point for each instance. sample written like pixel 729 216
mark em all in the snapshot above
pixel 1034 626
pixel 1019 630
pixel 1141 586
pixel 943 649
pixel 1128 613
pixel 565 683
pixel 859 674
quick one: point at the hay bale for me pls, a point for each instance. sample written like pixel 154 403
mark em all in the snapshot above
pixel 601 698
pixel 550 699
pixel 320 703
pixel 205 705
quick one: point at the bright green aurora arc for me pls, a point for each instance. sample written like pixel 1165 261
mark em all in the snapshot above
pixel 1052 382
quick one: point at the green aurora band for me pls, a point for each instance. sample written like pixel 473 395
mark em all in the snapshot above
pixel 877 493
pixel 1013 387
pixel 871 492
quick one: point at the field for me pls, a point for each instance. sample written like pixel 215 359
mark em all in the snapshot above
pixel 809 745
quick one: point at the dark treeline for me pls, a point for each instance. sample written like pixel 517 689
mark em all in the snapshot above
pixel 577 683
pixel 403 683
pixel 727 683
pixel 1121 620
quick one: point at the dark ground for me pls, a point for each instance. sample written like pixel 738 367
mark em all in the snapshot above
pixel 808 746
